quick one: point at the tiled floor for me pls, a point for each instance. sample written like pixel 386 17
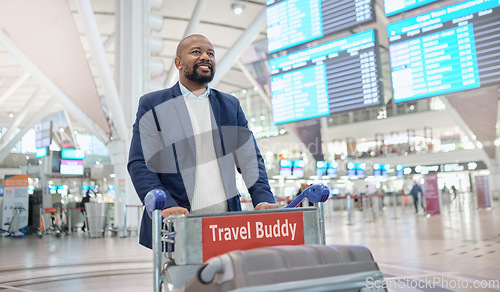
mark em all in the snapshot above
pixel 457 248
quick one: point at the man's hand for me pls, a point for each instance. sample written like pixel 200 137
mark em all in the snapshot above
pixel 265 206
pixel 174 211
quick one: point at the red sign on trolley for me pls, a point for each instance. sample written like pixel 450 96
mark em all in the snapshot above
pixel 227 233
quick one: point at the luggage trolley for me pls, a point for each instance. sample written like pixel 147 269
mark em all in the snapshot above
pixel 186 254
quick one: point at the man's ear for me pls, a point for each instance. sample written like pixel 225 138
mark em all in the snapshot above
pixel 177 62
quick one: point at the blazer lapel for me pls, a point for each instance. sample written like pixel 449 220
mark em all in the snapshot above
pixel 216 125
pixel 186 154
pixel 184 120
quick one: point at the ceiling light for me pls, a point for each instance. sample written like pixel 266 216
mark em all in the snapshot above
pixel 11 115
pixel 237 8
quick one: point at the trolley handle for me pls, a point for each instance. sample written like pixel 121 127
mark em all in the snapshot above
pixel 315 194
pixel 155 199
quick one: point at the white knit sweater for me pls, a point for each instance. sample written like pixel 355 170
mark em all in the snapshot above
pixel 209 195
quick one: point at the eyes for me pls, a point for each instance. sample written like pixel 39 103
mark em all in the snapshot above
pixel 211 54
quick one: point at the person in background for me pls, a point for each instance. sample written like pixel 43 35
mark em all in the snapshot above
pixel 454 191
pixel 415 190
pixel 380 192
pixel 85 199
pixel 445 190
pixel 187 140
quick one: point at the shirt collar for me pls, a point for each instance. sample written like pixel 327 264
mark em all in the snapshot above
pixel 189 95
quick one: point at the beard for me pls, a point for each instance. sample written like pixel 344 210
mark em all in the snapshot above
pixel 193 75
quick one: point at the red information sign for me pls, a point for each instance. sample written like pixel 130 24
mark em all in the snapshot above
pixel 227 233
pixel 483 191
pixel 431 192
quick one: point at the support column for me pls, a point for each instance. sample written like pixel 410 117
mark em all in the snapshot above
pixel 129 81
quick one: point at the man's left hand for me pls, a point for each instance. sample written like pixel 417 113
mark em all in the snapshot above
pixel 265 206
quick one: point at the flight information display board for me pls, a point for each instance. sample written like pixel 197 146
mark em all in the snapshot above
pixel 336 76
pixel 392 7
pixel 294 22
pixel 447 50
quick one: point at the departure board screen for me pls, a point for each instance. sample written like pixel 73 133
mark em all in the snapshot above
pixel 392 7
pixel 447 50
pixel 294 22
pixel 336 76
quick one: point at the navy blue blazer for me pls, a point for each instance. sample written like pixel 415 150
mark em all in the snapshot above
pixel 163 125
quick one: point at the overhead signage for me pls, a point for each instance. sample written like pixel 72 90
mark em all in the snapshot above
pixel 41 152
pixel 337 76
pixel 451 49
pixel 294 22
pixel 445 167
pixel 72 154
pixel 321 168
pixel 286 167
pixel 298 168
pixel 43 134
pixel 392 7
pixel 400 170
pixel 331 169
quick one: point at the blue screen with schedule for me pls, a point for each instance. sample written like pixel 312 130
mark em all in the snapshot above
pixel 294 22
pixel 392 7
pixel 447 50
pixel 336 76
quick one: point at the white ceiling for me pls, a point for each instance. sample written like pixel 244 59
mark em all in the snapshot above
pixel 217 22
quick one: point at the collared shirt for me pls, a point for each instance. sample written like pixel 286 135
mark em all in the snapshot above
pixel 188 94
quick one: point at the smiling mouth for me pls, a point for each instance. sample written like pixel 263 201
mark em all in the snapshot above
pixel 204 66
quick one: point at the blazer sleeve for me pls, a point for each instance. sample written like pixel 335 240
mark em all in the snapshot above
pixel 257 183
pixel 145 128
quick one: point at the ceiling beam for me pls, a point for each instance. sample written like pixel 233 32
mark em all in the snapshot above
pixel 172 77
pixel 20 117
pixel 5 150
pixel 14 87
pixel 255 84
pixel 67 103
pixel 234 53
pixel 108 42
pixel 99 53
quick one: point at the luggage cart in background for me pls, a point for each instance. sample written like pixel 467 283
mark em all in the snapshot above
pixel 57 218
pixel 201 250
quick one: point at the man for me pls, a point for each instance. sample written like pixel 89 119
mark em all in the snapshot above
pixel 415 190
pixel 85 199
pixel 187 140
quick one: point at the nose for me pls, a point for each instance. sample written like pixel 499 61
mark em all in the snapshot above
pixel 204 56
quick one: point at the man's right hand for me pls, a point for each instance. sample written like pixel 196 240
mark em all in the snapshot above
pixel 174 211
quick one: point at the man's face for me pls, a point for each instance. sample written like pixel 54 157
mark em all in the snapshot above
pixel 197 61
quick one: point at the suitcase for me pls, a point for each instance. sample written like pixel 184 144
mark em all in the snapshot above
pixel 291 268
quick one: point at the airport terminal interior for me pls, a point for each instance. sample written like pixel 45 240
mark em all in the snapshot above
pixel 369 98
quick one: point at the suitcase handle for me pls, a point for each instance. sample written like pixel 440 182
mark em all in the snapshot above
pixel 220 265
